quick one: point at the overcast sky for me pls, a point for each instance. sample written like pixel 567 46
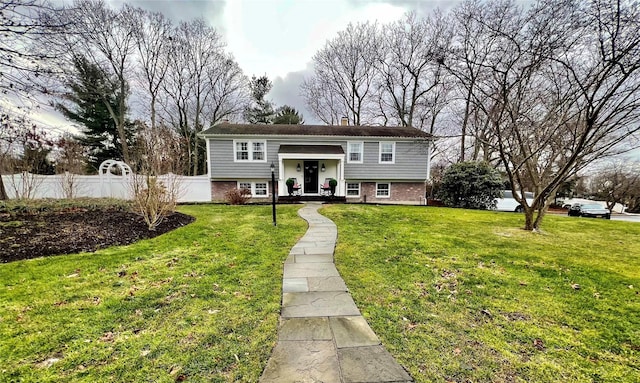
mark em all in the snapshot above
pixel 277 38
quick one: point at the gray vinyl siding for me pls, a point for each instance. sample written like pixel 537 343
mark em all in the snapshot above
pixel 410 163
pixel 410 160
pixel 223 166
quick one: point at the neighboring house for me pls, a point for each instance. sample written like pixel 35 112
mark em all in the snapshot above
pixel 370 163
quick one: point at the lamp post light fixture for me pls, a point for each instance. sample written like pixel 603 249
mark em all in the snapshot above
pixel 273 192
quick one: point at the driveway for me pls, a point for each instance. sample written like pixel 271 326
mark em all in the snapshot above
pixel 626 217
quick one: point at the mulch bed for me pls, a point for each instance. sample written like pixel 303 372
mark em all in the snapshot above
pixel 26 236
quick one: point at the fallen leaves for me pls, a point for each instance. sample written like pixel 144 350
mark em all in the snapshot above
pixel 107 337
pixel 539 344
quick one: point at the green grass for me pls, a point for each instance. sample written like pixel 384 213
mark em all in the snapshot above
pixel 200 303
pixel 460 295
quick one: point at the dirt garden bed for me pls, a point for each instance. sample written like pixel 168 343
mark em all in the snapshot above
pixel 41 232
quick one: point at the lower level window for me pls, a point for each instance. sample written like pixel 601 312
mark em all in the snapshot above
pixel 353 189
pixel 261 189
pixel 257 189
pixel 383 190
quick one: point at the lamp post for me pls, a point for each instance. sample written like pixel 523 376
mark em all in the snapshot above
pixel 273 192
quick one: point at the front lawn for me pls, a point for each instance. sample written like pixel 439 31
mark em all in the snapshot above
pixel 467 296
pixel 200 303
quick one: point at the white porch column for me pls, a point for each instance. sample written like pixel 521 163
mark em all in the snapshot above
pixel 342 186
pixel 280 181
pixel 429 143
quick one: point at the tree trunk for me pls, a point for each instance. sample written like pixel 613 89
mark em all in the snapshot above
pixel 528 219
pixel 121 122
pixel 465 122
pixel 3 191
pixel 539 217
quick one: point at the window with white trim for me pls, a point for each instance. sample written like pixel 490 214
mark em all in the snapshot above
pixel 355 152
pixel 383 190
pixel 261 189
pixel 258 151
pixel 387 152
pixel 353 189
pixel 257 189
pixel 250 151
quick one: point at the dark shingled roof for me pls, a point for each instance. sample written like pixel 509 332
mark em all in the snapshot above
pixel 311 149
pixel 314 130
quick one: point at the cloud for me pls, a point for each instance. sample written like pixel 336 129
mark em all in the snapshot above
pixel 286 91
pixel 180 10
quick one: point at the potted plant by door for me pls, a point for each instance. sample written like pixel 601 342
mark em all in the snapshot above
pixel 290 183
pixel 332 186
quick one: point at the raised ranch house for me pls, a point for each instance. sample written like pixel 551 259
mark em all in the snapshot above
pixel 369 163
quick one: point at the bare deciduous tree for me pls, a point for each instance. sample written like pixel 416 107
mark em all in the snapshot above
pixel 105 38
pixel 152 33
pixel 561 90
pixel 617 182
pixel 411 69
pixel 22 24
pixel 203 85
pixel 344 75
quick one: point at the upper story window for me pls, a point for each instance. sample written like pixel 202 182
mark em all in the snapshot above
pixel 355 152
pixel 387 152
pixel 250 150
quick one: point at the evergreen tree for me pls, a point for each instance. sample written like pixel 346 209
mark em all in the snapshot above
pixel 288 115
pixel 92 95
pixel 471 185
pixel 261 110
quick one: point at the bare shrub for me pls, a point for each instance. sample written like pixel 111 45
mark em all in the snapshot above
pixel 154 199
pixel 237 196
pixel 70 163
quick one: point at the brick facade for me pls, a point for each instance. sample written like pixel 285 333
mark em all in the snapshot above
pixel 400 192
pixel 220 188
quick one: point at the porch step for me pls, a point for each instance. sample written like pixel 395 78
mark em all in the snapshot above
pixel 308 198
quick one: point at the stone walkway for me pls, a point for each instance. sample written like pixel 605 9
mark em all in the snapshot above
pixel 322 336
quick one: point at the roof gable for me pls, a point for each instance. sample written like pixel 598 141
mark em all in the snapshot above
pixel 226 129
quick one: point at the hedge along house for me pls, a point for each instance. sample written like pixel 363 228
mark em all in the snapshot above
pixel 369 163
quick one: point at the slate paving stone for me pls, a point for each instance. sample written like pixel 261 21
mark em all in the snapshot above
pixel 314 258
pixel 372 364
pixel 296 250
pixel 295 285
pixel 318 243
pixel 302 361
pixel 319 250
pixel 352 332
pixel 305 329
pixel 326 284
pixel 303 270
pixel 318 304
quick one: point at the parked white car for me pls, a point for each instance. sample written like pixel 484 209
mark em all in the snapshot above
pixel 508 203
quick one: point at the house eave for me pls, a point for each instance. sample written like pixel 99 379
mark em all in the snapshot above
pixel 315 137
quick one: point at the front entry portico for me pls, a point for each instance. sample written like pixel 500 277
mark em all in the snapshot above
pixel 310 171
pixel 310 166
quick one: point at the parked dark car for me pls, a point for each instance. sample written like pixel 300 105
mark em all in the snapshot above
pixel 589 210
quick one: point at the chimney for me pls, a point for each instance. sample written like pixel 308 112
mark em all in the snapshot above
pixel 344 121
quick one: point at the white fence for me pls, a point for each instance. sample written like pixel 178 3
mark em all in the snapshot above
pixel 191 189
